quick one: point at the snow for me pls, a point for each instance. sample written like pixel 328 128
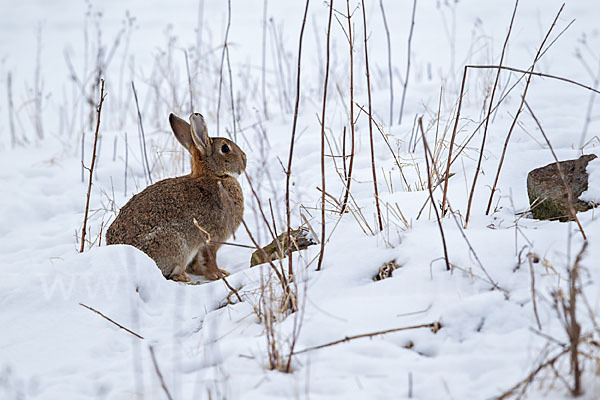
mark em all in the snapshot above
pixel 206 343
pixel 593 192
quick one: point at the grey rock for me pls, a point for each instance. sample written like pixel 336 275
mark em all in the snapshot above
pixel 548 196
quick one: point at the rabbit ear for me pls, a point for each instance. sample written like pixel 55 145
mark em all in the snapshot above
pixel 182 131
pixel 199 132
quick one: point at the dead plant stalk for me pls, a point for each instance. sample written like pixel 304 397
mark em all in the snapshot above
pixel 389 59
pixel 288 171
pixel 111 321
pixel 376 191
pixel 429 187
pixel 351 110
pixel 221 67
pixel 159 374
pixel 525 73
pixel 405 84
pixel 91 169
pixel 520 109
pixel 322 252
pixel 434 325
pixel 449 163
pixel 489 113
pixel 145 162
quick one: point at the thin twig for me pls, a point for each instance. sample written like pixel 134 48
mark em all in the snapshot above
pixel 260 208
pixel 534 73
pixel 91 169
pixel 488 117
pixel 405 84
pixel 453 138
pixel 529 378
pixel 264 55
pixel 232 100
pixel 375 189
pixel 221 67
pixel 189 76
pixel 11 121
pixel 351 164
pixel 389 51
pixel 245 246
pixel 519 110
pixel 322 252
pixel 507 92
pixel 573 327
pixel 429 187
pixel 389 146
pixel 160 377
pixel 434 325
pixel 111 321
pixel 288 172
pixel 142 135
pixel 530 258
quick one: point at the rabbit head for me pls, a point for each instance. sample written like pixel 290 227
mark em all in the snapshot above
pixel 215 156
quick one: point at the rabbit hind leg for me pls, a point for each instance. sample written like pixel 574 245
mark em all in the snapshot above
pixel 169 251
pixel 205 263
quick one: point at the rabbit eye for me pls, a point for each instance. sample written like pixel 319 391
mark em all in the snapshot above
pixel 225 149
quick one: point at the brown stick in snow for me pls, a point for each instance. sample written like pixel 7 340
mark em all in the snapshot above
pixel 111 321
pixel 288 171
pixel 488 117
pixel 435 326
pixel 376 191
pixel 520 109
pixel 323 140
pixel 351 164
pixel 160 377
pixel 91 169
pixel 429 187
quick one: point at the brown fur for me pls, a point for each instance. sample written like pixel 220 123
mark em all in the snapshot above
pixel 160 220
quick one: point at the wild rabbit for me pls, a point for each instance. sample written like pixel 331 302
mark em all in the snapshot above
pixel 160 220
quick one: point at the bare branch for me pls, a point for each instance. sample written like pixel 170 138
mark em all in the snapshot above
pixel 89 190
pixel 435 326
pixel 322 252
pixel 111 321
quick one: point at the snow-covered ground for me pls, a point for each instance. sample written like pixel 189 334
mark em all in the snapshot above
pixel 208 345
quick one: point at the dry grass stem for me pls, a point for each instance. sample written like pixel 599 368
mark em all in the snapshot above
pixel 111 321
pixel 405 83
pixel 351 108
pixel 223 51
pixel 452 139
pixel 375 189
pixel 435 326
pixel 530 258
pixel 429 187
pixel 489 115
pixel 288 172
pixel 326 81
pixel 522 385
pixel 160 377
pixel 91 169
pixel 389 62
pixel 520 109
pixel 146 164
